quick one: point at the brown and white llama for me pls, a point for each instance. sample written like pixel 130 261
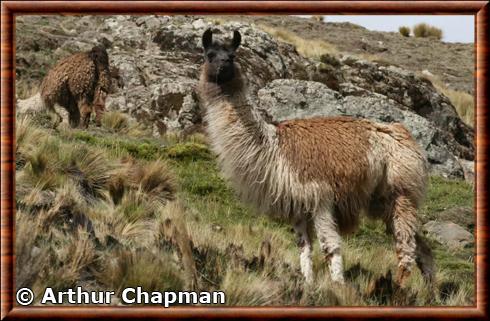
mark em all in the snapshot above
pixel 318 173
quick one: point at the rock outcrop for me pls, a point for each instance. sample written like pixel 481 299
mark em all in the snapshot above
pixel 449 234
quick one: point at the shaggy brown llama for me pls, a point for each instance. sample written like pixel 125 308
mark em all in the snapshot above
pixel 78 83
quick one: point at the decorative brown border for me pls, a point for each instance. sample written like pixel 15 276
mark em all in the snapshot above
pixel 11 8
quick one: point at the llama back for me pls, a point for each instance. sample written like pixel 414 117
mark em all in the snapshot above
pixel 75 74
pixel 334 153
pixel 406 163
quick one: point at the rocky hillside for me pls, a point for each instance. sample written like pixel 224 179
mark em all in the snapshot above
pixel 140 201
pixel 156 62
pixel 453 63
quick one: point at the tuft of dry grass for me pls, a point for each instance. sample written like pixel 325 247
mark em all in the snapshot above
pixel 318 18
pixel 129 268
pixel 250 289
pixel 423 30
pixel 115 121
pixel 463 102
pixel 310 48
pixel 119 123
pixel 404 31
pixel 154 179
pixel 29 257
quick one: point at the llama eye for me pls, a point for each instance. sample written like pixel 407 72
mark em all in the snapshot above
pixel 211 55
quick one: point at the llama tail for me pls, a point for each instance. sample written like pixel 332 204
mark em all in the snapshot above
pixel 425 260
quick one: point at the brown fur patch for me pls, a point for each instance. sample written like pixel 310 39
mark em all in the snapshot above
pixel 73 75
pixel 337 143
pixel 332 150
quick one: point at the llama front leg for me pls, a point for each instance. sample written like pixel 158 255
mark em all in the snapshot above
pixel 330 242
pixel 404 230
pixel 304 243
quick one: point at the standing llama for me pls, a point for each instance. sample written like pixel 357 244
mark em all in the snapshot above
pixel 79 83
pixel 319 173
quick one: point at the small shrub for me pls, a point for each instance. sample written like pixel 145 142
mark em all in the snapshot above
pixel 423 30
pixel 115 121
pixel 404 31
pixel 330 60
pixel 464 104
pixel 155 179
pixel 119 123
pixel 310 48
pixel 317 18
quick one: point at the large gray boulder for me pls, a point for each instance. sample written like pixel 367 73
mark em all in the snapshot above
pixel 450 234
pixel 416 94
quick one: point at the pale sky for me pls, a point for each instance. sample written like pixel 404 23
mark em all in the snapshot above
pixel 455 28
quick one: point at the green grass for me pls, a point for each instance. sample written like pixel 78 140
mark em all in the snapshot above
pixel 444 194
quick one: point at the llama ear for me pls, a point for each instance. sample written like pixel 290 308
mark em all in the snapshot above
pixel 207 39
pixel 237 39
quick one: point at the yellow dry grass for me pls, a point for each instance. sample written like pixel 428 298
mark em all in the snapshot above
pixel 463 102
pixel 311 48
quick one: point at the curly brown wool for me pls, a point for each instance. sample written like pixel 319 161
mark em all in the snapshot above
pixel 76 83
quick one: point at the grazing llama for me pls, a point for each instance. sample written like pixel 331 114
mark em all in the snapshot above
pixel 319 173
pixel 78 83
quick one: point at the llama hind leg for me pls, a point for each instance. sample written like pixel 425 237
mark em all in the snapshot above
pixel 304 243
pixel 425 260
pixel 86 112
pixel 71 107
pixel 404 223
pixel 330 243
pixel 55 117
pixel 74 117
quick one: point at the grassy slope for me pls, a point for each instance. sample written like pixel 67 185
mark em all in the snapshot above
pixel 197 236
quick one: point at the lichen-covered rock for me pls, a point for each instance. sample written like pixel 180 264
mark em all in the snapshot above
pixel 416 94
pixel 450 234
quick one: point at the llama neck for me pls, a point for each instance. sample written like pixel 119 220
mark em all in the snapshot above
pixel 227 108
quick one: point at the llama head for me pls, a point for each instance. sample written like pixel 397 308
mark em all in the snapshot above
pixel 219 57
pixel 98 54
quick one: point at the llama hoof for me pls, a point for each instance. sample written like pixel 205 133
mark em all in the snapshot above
pixel 402 276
